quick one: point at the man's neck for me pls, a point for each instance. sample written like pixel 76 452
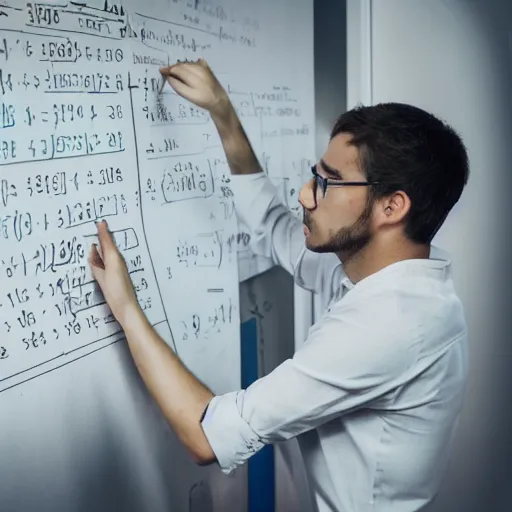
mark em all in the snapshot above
pixel 375 256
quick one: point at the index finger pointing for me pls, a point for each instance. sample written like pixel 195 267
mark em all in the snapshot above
pixel 105 238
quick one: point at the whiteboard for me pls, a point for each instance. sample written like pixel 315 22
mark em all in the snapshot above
pixel 85 136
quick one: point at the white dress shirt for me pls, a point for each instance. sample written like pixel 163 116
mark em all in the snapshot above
pixel 374 394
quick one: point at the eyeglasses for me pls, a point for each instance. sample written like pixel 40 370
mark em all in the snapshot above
pixel 322 183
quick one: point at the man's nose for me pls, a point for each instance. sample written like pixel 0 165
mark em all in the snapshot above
pixel 307 195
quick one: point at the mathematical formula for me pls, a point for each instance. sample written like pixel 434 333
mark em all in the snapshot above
pixel 85 136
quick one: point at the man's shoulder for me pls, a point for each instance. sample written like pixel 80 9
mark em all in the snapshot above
pixel 410 306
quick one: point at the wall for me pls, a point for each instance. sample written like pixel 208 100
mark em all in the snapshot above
pixel 454 58
pixel 330 67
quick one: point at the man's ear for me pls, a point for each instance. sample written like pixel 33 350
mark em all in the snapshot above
pixel 395 207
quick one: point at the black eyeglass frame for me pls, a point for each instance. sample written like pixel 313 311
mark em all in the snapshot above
pixel 326 182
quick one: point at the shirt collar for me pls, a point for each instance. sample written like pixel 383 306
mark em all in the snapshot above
pixel 346 282
pixel 438 264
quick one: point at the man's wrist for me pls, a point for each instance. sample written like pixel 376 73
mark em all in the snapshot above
pixel 224 114
pixel 131 317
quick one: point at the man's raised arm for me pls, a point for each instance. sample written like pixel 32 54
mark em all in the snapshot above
pixel 275 232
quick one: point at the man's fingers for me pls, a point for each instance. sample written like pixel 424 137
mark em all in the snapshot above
pixel 95 258
pixel 170 71
pixel 185 71
pixel 181 88
pixel 107 244
pixel 204 63
pixel 97 265
pixel 178 72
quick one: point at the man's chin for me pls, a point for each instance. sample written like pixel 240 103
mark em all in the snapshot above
pixel 316 247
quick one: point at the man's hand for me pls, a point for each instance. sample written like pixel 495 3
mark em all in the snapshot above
pixel 109 269
pixel 196 82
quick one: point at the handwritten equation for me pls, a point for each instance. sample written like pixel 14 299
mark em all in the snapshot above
pixel 65 100
pixel 86 135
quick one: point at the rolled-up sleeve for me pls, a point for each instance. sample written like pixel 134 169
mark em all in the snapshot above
pixel 232 439
pixel 346 363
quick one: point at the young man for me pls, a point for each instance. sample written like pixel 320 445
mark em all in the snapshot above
pixel 374 394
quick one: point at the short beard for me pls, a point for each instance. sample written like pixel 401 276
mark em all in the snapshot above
pixel 348 241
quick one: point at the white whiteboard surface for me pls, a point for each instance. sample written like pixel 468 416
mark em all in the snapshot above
pixel 84 136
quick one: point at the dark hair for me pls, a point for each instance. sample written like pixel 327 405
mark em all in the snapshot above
pixel 405 148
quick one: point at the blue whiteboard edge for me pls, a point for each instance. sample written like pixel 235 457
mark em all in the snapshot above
pixel 261 479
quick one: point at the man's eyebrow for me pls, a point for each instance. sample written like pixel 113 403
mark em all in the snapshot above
pixel 331 170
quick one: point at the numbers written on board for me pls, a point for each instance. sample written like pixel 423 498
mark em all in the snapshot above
pixel 60 114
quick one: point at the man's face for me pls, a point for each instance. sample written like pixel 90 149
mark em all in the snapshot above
pixel 340 222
